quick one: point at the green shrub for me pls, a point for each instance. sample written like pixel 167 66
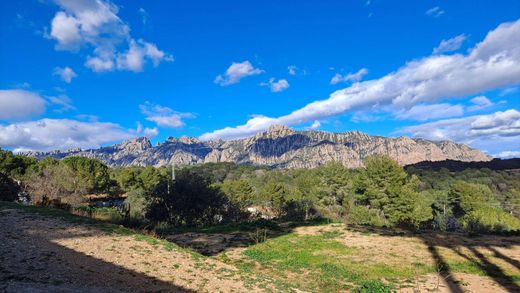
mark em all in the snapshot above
pixel 489 219
pixel 363 215
pixel 136 204
pixel 373 286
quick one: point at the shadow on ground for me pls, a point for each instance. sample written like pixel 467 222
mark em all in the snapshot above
pixel 33 262
pixel 214 240
pixel 471 251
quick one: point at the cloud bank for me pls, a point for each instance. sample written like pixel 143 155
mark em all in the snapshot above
pixel 481 131
pixel 492 63
pixel 50 134
pixel 20 104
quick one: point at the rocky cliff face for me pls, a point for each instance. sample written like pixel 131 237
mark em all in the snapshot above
pixel 280 146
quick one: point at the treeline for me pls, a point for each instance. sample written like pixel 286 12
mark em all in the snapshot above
pixel 381 194
pixel 457 166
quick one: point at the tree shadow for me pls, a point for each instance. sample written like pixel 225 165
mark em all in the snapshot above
pixel 457 242
pixel 214 240
pixel 32 261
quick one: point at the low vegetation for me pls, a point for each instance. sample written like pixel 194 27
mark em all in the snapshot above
pixel 382 194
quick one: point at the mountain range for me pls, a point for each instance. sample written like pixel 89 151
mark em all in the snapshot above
pixel 280 147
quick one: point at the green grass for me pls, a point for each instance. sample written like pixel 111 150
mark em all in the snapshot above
pixel 320 263
pixel 466 267
pixel 331 234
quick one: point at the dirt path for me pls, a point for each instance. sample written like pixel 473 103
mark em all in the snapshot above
pixel 42 254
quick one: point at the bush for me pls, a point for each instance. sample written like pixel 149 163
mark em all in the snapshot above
pixel 373 286
pixel 489 219
pixel 363 215
pixel 8 188
pixel 136 204
pixel 298 210
pixel 191 202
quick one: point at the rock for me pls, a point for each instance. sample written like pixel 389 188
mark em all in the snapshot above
pixel 279 146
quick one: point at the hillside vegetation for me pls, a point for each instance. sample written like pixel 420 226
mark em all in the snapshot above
pixel 382 194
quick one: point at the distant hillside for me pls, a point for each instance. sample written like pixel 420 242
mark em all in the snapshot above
pixel 281 147
pixel 452 165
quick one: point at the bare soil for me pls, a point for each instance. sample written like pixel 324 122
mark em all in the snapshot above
pixel 41 254
pixel 498 255
pixel 45 254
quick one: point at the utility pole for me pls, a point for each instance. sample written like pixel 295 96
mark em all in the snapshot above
pixel 173 178
pixel 173 173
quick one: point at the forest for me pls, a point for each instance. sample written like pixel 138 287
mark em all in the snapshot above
pixel 382 194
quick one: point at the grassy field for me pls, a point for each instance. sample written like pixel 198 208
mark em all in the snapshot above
pixel 334 258
pixel 316 257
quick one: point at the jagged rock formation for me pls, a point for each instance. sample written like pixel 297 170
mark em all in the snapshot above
pixel 280 146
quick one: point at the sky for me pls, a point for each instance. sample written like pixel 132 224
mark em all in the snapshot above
pixel 90 73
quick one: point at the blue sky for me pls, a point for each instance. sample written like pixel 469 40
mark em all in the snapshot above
pixel 88 73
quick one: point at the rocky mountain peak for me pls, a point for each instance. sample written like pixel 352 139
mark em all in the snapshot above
pixel 188 140
pixel 138 144
pixel 282 147
pixel 277 130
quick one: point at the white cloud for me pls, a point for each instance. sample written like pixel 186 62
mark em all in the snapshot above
pixel 63 101
pixel 508 154
pixel 65 73
pixel 137 54
pixel 350 77
pixel 479 103
pixel 435 12
pixel 146 131
pixel 508 91
pixel 481 131
pixel 97 64
pixel 294 70
pixel 150 132
pixel 276 86
pixel 493 63
pixel 95 24
pixel 236 72
pixel 164 116
pixel 51 134
pixel 65 29
pixel 87 117
pixel 20 104
pixel 422 112
pixel 144 15
pixel 363 117
pixel 450 45
pixel 315 125
pixel 291 69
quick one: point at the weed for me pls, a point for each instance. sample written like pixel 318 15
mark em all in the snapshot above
pixel 373 286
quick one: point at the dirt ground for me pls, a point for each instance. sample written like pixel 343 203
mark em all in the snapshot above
pixel 44 254
pixel 501 253
pixel 40 254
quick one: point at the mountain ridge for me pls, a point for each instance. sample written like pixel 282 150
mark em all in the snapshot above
pixel 279 146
